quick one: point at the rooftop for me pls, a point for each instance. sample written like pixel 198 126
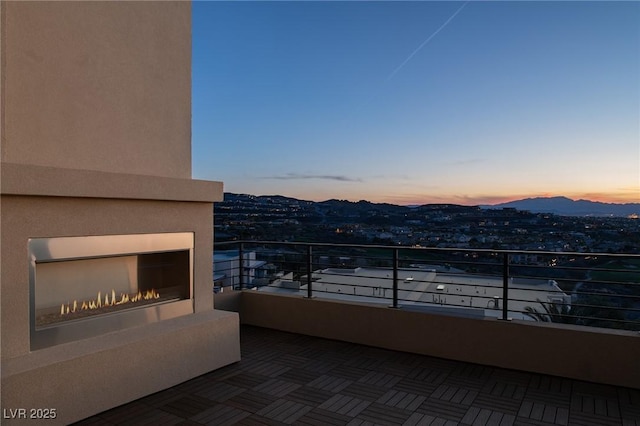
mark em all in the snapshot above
pixel 425 288
pixel 287 378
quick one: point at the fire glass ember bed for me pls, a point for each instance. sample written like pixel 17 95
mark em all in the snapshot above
pixel 86 286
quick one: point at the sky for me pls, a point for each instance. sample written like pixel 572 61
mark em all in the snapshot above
pixel 420 102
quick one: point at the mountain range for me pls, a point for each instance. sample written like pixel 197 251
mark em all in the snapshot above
pixel 562 206
pixel 567 207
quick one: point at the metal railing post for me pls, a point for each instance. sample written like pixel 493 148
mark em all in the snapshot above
pixel 395 278
pixel 309 271
pixel 241 266
pixel 505 286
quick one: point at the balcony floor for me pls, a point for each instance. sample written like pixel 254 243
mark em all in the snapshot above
pixel 286 378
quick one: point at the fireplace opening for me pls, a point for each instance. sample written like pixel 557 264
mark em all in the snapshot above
pixel 85 286
pixel 78 289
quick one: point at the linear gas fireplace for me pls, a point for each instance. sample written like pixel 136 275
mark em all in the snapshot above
pixel 85 286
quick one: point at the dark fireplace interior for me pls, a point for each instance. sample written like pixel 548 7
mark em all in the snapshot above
pixel 78 289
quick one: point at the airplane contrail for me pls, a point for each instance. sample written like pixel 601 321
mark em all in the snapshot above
pixel 425 42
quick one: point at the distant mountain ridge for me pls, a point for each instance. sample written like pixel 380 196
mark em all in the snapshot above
pixel 562 206
pixel 567 207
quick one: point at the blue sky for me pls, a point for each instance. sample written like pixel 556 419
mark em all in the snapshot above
pixel 418 102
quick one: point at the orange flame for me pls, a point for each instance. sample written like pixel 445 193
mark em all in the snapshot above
pixel 107 300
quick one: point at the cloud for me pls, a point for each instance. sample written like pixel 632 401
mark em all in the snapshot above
pixel 299 176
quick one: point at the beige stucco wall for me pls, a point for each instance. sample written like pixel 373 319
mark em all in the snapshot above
pixel 97 85
pixel 95 124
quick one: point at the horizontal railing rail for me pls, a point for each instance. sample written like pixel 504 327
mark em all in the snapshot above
pixel 591 289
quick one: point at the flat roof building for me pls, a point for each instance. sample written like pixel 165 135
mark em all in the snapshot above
pixel 428 289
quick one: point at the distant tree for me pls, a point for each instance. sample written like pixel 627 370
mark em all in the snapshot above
pixel 600 310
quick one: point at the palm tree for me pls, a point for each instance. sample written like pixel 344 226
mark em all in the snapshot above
pixel 552 313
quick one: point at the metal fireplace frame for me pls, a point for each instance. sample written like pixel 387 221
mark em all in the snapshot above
pixel 57 249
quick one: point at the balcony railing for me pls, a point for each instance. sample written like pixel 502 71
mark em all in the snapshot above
pixel 590 289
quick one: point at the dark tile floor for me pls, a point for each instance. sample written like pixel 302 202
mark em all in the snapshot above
pixel 286 378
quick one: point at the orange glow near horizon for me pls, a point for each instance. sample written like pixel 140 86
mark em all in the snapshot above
pixel 621 197
pixel 409 191
pixel 499 199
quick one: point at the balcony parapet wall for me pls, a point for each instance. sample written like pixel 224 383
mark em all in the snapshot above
pixel 583 353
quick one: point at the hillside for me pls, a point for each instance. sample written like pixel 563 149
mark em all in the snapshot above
pixel 567 207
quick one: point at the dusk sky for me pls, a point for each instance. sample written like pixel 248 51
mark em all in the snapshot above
pixel 418 102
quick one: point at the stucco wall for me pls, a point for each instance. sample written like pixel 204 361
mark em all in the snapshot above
pixel 98 85
pixel 96 140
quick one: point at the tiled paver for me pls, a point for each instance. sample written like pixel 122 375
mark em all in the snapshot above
pixel 375 378
pixel 284 411
pixel 348 372
pixel 219 391
pixel 136 413
pixel 220 415
pixel 246 380
pixel 187 406
pixel 330 383
pixel 418 419
pixel 250 401
pixel 402 400
pixel 266 368
pixel 502 396
pixel 299 375
pixel 286 378
pixel 309 396
pixel 384 415
pixel 364 391
pixel 429 375
pixel 345 405
pixel 544 412
pixel 485 417
pixel 454 394
pixel 276 387
pixel 320 417
pixel 444 409
pixel 416 386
